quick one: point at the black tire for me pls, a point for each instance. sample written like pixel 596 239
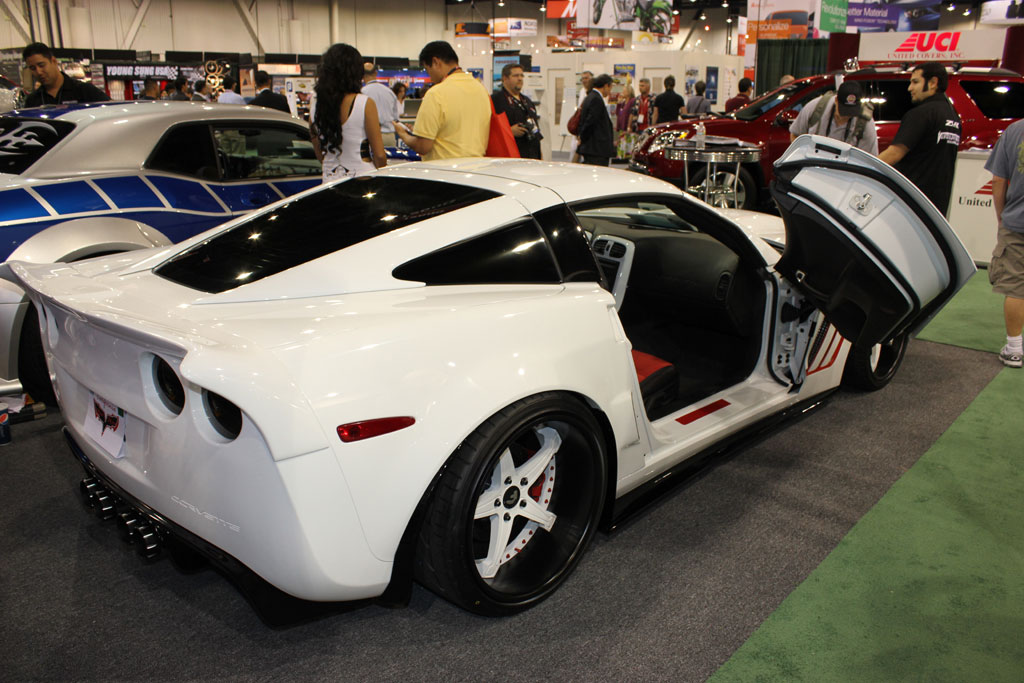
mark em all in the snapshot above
pixel 873 367
pixel 32 370
pixel 459 555
pixel 721 188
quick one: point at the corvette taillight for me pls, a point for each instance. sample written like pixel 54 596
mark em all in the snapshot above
pixel 168 386
pixel 357 431
pixel 224 415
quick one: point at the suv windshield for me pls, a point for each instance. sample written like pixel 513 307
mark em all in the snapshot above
pixel 318 224
pixel 23 142
pixel 766 102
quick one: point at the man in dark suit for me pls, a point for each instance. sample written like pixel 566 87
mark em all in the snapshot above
pixel 597 138
pixel 265 97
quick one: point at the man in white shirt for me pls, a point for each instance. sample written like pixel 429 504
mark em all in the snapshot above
pixel 385 99
pixel 229 96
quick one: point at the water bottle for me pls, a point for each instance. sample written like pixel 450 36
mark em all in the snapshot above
pixel 701 136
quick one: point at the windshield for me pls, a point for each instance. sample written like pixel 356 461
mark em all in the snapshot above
pixel 318 224
pixel 23 142
pixel 766 102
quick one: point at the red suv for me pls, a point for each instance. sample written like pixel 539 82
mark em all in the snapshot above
pixel 988 100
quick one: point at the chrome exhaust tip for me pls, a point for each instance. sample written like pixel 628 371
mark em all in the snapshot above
pixel 149 542
pixel 128 524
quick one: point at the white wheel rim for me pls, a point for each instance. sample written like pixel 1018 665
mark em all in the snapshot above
pixel 508 498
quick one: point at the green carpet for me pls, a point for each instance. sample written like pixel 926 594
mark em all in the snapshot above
pixel 929 585
pixel 973 319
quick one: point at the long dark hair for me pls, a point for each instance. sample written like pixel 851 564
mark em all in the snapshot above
pixel 340 73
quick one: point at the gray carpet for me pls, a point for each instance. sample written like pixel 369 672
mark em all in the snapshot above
pixel 670 595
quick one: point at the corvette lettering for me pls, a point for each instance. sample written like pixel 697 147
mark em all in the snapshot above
pixel 206 515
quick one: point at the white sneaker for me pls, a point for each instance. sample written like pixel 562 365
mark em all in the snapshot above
pixel 1011 359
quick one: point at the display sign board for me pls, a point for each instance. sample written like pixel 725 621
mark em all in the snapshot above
pixel 970 207
pixel 939 46
pixel 164 72
pixel 511 28
pixel 1002 12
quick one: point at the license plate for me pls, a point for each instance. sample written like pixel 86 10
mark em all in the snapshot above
pixel 105 424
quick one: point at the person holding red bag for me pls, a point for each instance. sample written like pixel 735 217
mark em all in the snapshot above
pixel 521 112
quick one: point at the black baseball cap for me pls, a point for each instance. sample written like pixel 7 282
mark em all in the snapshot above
pixel 848 98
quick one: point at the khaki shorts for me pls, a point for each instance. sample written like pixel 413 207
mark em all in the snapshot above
pixel 1006 271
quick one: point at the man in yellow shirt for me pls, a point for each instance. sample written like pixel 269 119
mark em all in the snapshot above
pixel 454 119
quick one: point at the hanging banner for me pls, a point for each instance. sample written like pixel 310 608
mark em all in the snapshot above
pixel 511 28
pixel 561 9
pixel 740 44
pixel 654 16
pixel 920 15
pixel 832 16
pixel 1004 12
pixel 472 29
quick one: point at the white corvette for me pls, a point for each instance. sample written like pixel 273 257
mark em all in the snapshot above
pixel 458 370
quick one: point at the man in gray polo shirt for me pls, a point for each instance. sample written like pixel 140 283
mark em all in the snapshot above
pixel 1006 271
pixel 841 116
pixel 385 99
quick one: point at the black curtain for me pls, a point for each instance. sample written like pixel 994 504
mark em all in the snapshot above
pixel 797 56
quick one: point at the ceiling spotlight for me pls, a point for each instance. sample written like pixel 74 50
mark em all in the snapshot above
pixel 707 27
pixel 967 12
pixel 728 19
pixel 675 13
pixel 950 7
pixel 703 16
pixel 543 7
pixel 501 3
pixel 725 3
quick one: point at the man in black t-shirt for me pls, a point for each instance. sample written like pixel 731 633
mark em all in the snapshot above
pixel 668 103
pixel 55 86
pixel 926 144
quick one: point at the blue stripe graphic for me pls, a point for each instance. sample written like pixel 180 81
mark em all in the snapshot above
pixel 186 194
pixel 290 187
pixel 72 197
pixel 129 192
pixel 19 204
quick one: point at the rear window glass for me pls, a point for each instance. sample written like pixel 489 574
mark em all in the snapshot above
pixel 313 226
pixel 23 142
pixel 517 254
pixel 997 100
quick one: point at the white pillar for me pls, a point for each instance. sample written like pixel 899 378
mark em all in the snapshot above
pixel 295 35
pixel 80 27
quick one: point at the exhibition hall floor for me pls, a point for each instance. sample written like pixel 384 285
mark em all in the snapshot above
pixel 879 538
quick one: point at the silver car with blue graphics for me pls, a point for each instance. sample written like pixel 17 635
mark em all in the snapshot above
pixel 81 180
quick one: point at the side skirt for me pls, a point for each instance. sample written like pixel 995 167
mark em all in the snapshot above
pixel 636 500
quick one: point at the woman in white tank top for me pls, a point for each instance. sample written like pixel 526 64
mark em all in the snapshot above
pixel 345 117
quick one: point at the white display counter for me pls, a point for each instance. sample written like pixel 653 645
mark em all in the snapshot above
pixel 971 211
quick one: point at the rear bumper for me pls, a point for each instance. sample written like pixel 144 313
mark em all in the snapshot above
pixel 151 532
